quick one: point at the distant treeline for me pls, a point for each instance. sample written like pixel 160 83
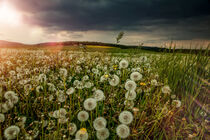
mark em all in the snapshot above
pixel 6 44
pixel 155 49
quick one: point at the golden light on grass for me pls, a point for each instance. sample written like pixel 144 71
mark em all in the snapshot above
pixel 8 14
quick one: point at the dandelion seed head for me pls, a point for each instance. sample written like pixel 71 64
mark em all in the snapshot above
pixel 130 85
pixel 123 64
pixel 166 90
pixel 90 104
pixel 130 95
pixel 83 116
pixel 72 128
pixel 99 123
pixel 11 132
pixel 102 134
pixel 2 118
pixel 136 76
pixel 123 131
pixel 126 117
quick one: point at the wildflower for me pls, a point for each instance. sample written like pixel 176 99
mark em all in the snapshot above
pixel 82 134
pixel 130 85
pixel 2 118
pixel 61 98
pixel 123 131
pixel 136 76
pixel 39 88
pixel 177 103
pixel 126 117
pixel 99 95
pixel 142 84
pixel 62 112
pixel 173 96
pixel 85 78
pixel 9 95
pixel 130 95
pixel 70 91
pixel 106 75
pixel 62 120
pixel 90 104
pixel 123 64
pixel 42 78
pixel 63 72
pixel 166 90
pixel 143 59
pixel 154 82
pixel 99 123
pixel 82 116
pixel 11 132
pixel 72 128
pixel 114 81
pixel 165 110
pixel 129 103
pixel 102 134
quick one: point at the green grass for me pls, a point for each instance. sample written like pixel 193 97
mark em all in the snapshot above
pixel 186 74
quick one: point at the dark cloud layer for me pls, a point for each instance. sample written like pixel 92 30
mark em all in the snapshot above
pixel 180 19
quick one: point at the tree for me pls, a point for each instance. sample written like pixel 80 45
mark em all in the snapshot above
pixel 120 36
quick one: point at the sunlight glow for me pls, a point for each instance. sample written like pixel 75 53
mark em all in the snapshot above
pixel 8 15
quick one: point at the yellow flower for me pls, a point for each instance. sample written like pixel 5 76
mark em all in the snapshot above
pixel 32 89
pixel 143 84
pixel 83 130
pixel 106 76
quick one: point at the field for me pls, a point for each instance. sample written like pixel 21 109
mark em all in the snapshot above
pixel 103 93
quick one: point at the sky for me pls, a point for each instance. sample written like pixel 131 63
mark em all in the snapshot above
pixel 152 22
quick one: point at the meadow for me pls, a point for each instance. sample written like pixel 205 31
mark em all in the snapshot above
pixel 65 94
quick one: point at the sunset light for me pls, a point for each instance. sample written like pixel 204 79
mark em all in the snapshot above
pixel 8 14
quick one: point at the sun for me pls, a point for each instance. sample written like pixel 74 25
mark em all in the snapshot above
pixel 8 14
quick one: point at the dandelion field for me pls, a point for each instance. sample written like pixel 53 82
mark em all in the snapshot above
pixel 67 94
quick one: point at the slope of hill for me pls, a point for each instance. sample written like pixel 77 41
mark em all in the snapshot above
pixel 10 44
pixel 6 44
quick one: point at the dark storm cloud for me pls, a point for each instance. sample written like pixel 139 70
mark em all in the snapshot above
pixel 190 18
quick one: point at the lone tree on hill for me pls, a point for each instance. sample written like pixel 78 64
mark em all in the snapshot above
pixel 120 36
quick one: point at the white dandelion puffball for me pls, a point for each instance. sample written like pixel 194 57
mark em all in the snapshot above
pixel 177 103
pixel 126 117
pixel 72 128
pixel 14 99
pixel 123 131
pixel 130 95
pixel 166 90
pixel 114 81
pixel 82 134
pixel 70 91
pixel 11 132
pixel 99 123
pixel 154 82
pixel 63 120
pixel 102 134
pixel 130 85
pixel 63 72
pixel 129 103
pixel 90 104
pixel 173 96
pixel 61 98
pixel 123 64
pixel 135 76
pixel 99 95
pixel 9 95
pixel 62 112
pixel 2 118
pixel 83 116
pixel 143 59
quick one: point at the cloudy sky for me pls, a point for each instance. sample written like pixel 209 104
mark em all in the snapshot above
pixel 152 22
